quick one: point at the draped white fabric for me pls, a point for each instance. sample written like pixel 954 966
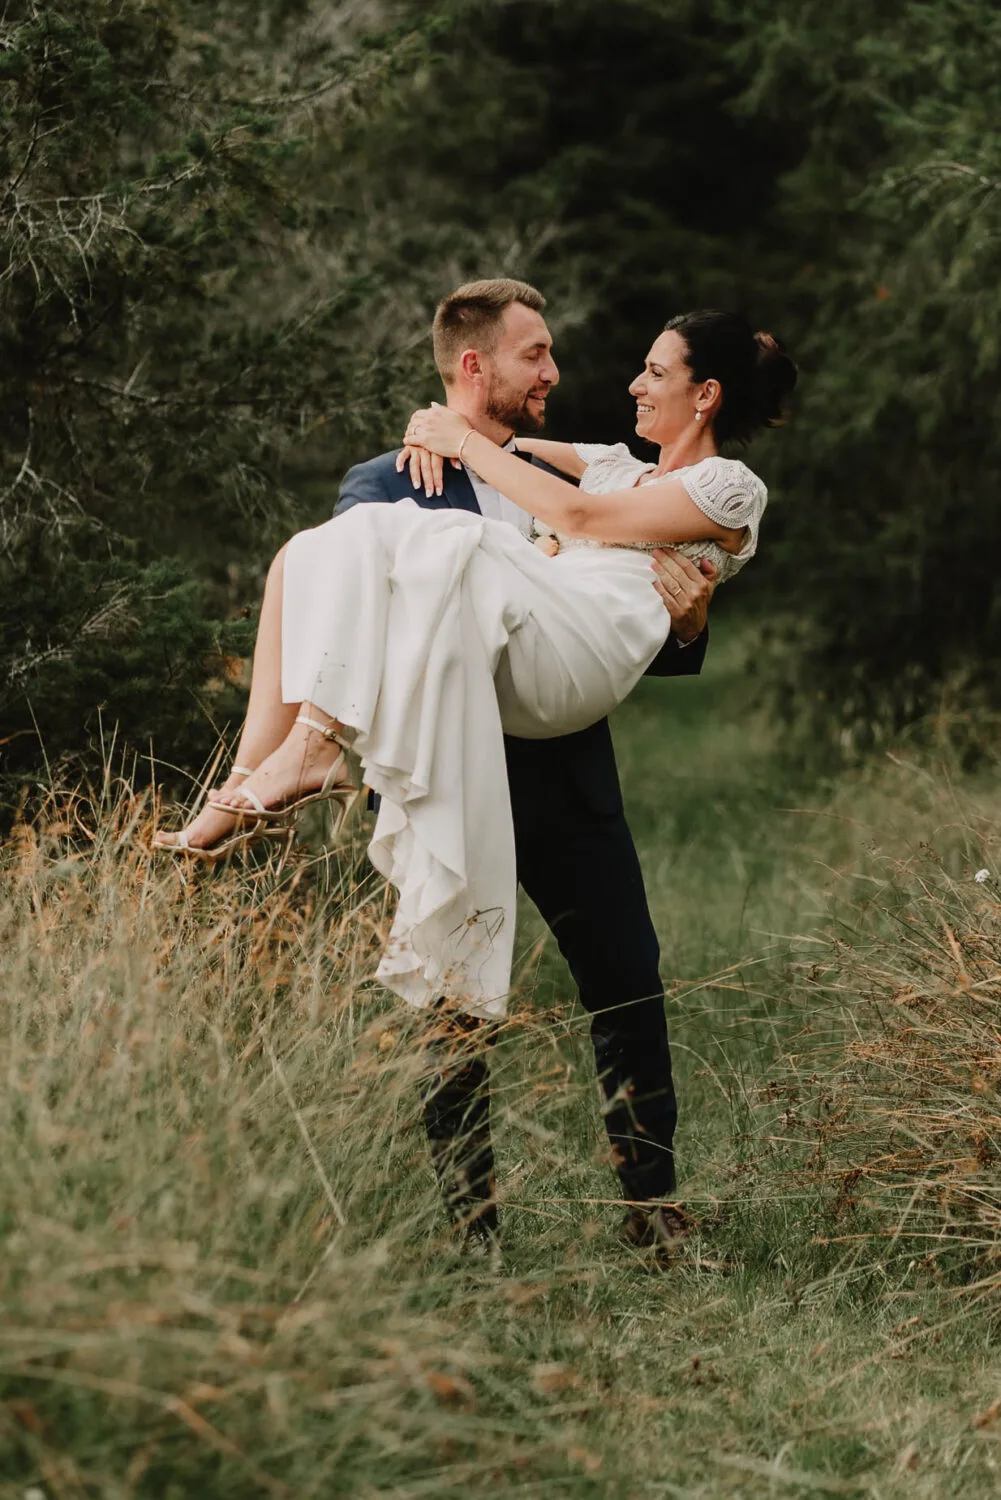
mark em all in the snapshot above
pixel 430 633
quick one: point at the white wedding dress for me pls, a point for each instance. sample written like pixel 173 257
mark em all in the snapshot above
pixel 431 633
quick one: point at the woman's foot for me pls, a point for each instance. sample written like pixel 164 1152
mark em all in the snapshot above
pixel 298 768
pixel 210 825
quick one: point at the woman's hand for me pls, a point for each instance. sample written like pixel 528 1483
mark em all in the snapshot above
pixel 439 430
pixel 426 468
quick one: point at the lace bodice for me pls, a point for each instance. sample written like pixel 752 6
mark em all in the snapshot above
pixel 725 489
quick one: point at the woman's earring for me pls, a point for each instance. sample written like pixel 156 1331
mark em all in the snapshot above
pixel 698 416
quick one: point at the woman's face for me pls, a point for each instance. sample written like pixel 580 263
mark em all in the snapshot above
pixel 665 394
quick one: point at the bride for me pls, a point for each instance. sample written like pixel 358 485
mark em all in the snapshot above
pixel 419 638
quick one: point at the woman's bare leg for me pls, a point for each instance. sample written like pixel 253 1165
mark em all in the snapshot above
pixel 268 719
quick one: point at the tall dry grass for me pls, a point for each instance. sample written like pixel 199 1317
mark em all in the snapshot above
pixel 223 1246
pixel 226 1271
pixel 896 1118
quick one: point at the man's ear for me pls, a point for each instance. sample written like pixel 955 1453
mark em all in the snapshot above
pixel 471 365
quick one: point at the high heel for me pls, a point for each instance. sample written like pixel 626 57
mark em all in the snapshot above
pixel 342 793
pixel 244 838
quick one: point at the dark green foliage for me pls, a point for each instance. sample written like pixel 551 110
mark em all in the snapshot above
pixel 173 315
pixel 889 551
pixel 833 172
pixel 225 228
pixel 110 642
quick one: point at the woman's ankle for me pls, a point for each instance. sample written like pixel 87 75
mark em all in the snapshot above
pixel 316 748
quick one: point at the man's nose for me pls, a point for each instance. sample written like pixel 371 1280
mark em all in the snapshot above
pixel 550 373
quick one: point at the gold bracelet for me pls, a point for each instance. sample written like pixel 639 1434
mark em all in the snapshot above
pixel 468 434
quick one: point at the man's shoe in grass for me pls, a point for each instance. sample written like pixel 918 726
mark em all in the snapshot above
pixel 476 1246
pixel 660 1227
pixel 480 1241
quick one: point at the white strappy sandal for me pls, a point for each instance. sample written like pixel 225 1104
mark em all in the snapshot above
pixel 213 853
pixel 343 793
pixel 241 838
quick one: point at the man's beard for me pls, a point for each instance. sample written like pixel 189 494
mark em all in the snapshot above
pixel 509 410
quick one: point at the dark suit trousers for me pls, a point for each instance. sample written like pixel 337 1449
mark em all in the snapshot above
pixel 578 863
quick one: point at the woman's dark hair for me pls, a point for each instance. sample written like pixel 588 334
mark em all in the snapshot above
pixel 754 371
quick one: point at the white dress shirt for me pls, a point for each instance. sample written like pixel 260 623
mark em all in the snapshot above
pixel 495 505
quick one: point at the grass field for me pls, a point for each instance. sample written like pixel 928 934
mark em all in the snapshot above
pixel 225 1271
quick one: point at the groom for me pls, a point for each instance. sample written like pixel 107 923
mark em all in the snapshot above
pixel 575 854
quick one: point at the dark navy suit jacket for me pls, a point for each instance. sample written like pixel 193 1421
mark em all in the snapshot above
pixel 540 771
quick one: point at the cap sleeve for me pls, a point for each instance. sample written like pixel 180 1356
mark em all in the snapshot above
pixel 727 491
pixel 610 466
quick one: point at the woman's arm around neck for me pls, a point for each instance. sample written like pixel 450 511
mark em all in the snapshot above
pixel 662 512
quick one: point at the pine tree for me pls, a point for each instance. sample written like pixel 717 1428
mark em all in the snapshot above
pixel 176 311
pixel 891 536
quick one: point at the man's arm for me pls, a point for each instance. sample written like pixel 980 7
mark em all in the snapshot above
pixel 675 660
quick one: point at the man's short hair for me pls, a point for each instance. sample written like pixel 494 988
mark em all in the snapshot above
pixel 471 318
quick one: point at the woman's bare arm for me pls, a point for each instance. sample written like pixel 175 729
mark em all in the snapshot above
pixel 662 512
pixel 562 456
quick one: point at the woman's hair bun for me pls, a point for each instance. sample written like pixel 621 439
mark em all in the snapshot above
pixel 776 378
pixel 754 371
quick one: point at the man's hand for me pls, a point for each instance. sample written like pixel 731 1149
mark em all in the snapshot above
pixel 686 591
